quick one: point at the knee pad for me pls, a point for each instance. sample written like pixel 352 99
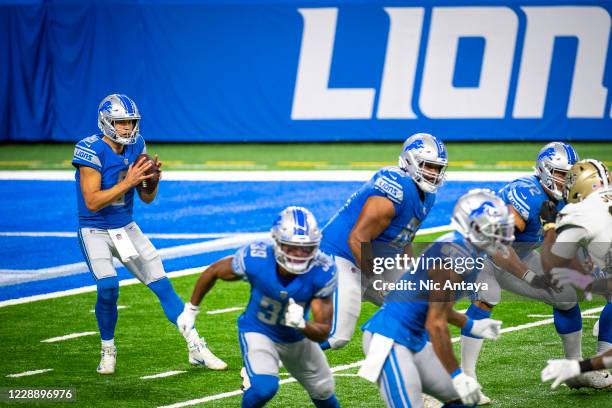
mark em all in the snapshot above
pixel 108 290
pixel 263 388
pixel 337 343
pixel 567 320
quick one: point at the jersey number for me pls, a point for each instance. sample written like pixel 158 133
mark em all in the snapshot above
pixel 121 199
pixel 408 232
pixel 272 311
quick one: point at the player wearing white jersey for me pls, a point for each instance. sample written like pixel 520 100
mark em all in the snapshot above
pixel 584 228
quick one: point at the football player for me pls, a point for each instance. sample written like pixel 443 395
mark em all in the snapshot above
pixel 106 177
pixel 584 226
pixel 407 342
pixel 289 277
pixel 388 208
pixel 522 271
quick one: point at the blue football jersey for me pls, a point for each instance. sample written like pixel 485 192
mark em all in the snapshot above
pixel 410 211
pixel 404 313
pixel 270 297
pixel 95 153
pixel 527 195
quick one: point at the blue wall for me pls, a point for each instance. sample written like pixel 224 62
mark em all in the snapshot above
pixel 286 70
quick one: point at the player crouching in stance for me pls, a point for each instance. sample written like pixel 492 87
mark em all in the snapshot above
pixel 288 278
pixel 407 342
pixel 583 226
pixel 389 208
pixel 107 173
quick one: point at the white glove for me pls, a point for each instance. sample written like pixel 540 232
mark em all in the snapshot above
pixel 294 316
pixel 186 319
pixel 486 328
pixel 467 388
pixel 565 276
pixel 560 370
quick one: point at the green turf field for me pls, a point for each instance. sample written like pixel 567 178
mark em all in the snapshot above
pixel 148 344
pixel 333 156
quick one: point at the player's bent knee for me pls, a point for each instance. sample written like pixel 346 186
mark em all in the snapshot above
pixel 323 389
pixel 263 387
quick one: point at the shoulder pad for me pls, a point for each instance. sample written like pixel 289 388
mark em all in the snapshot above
pixel 258 249
pixel 520 195
pixel 323 261
pixel 389 182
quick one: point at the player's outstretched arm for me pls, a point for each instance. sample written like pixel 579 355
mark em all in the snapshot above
pixel 375 217
pixel 91 185
pixel 222 269
pixel 485 328
pixel 319 327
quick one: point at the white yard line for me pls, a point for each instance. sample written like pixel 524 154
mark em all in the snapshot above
pixel 119 307
pixel 249 176
pixel 356 364
pixel 549 315
pixel 28 373
pixel 162 375
pixel 219 311
pixel 68 337
pixel 58 234
pixel 17 276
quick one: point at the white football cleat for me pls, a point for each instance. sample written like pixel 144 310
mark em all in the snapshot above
pixel 593 379
pixel 200 354
pixel 484 400
pixel 108 360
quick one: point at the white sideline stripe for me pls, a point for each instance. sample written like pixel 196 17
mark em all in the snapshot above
pixel 92 288
pixel 162 375
pixel 357 364
pixel 151 236
pixel 250 176
pixel 549 315
pixel 346 375
pixel 16 276
pixel 68 337
pixel 229 309
pixel 27 373
pixel 119 307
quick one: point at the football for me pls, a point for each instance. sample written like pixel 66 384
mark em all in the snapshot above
pixel 149 185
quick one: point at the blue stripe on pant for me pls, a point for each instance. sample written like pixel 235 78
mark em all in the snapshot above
pixel 397 392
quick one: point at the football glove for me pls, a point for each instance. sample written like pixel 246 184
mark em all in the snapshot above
pixel 539 281
pixel 486 328
pixel 294 316
pixel 467 388
pixel 186 319
pixel 560 371
pixel 567 276
pixel 548 213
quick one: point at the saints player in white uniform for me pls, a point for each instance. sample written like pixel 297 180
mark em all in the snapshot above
pixel 583 228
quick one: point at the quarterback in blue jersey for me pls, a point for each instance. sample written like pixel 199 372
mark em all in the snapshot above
pixel 522 272
pixel 289 277
pixel 407 341
pixel 388 208
pixel 106 176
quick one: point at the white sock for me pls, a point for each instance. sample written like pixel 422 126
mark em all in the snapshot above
pixel 603 346
pixel 572 345
pixel 108 343
pixel 192 336
pixel 470 350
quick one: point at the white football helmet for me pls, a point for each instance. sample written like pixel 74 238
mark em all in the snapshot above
pixel 555 157
pixel 483 218
pixel 296 238
pixel 118 107
pixel 421 150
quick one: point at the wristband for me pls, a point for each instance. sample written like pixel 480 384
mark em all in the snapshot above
pixel 548 226
pixel 586 366
pixel 455 373
pixel 528 276
pixel 468 325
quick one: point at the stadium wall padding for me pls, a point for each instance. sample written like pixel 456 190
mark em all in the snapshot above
pixel 306 71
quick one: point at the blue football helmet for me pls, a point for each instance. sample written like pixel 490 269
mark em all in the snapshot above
pixel 296 236
pixel 424 158
pixel 554 161
pixel 118 107
pixel 483 218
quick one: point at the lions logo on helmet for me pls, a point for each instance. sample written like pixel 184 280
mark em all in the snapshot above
pixel 424 158
pixel 296 238
pixel 483 218
pixel 554 161
pixel 114 108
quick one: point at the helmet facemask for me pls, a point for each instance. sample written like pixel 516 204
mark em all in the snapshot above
pixel 429 175
pixel 116 108
pixel 553 162
pixel 295 259
pixel 492 235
